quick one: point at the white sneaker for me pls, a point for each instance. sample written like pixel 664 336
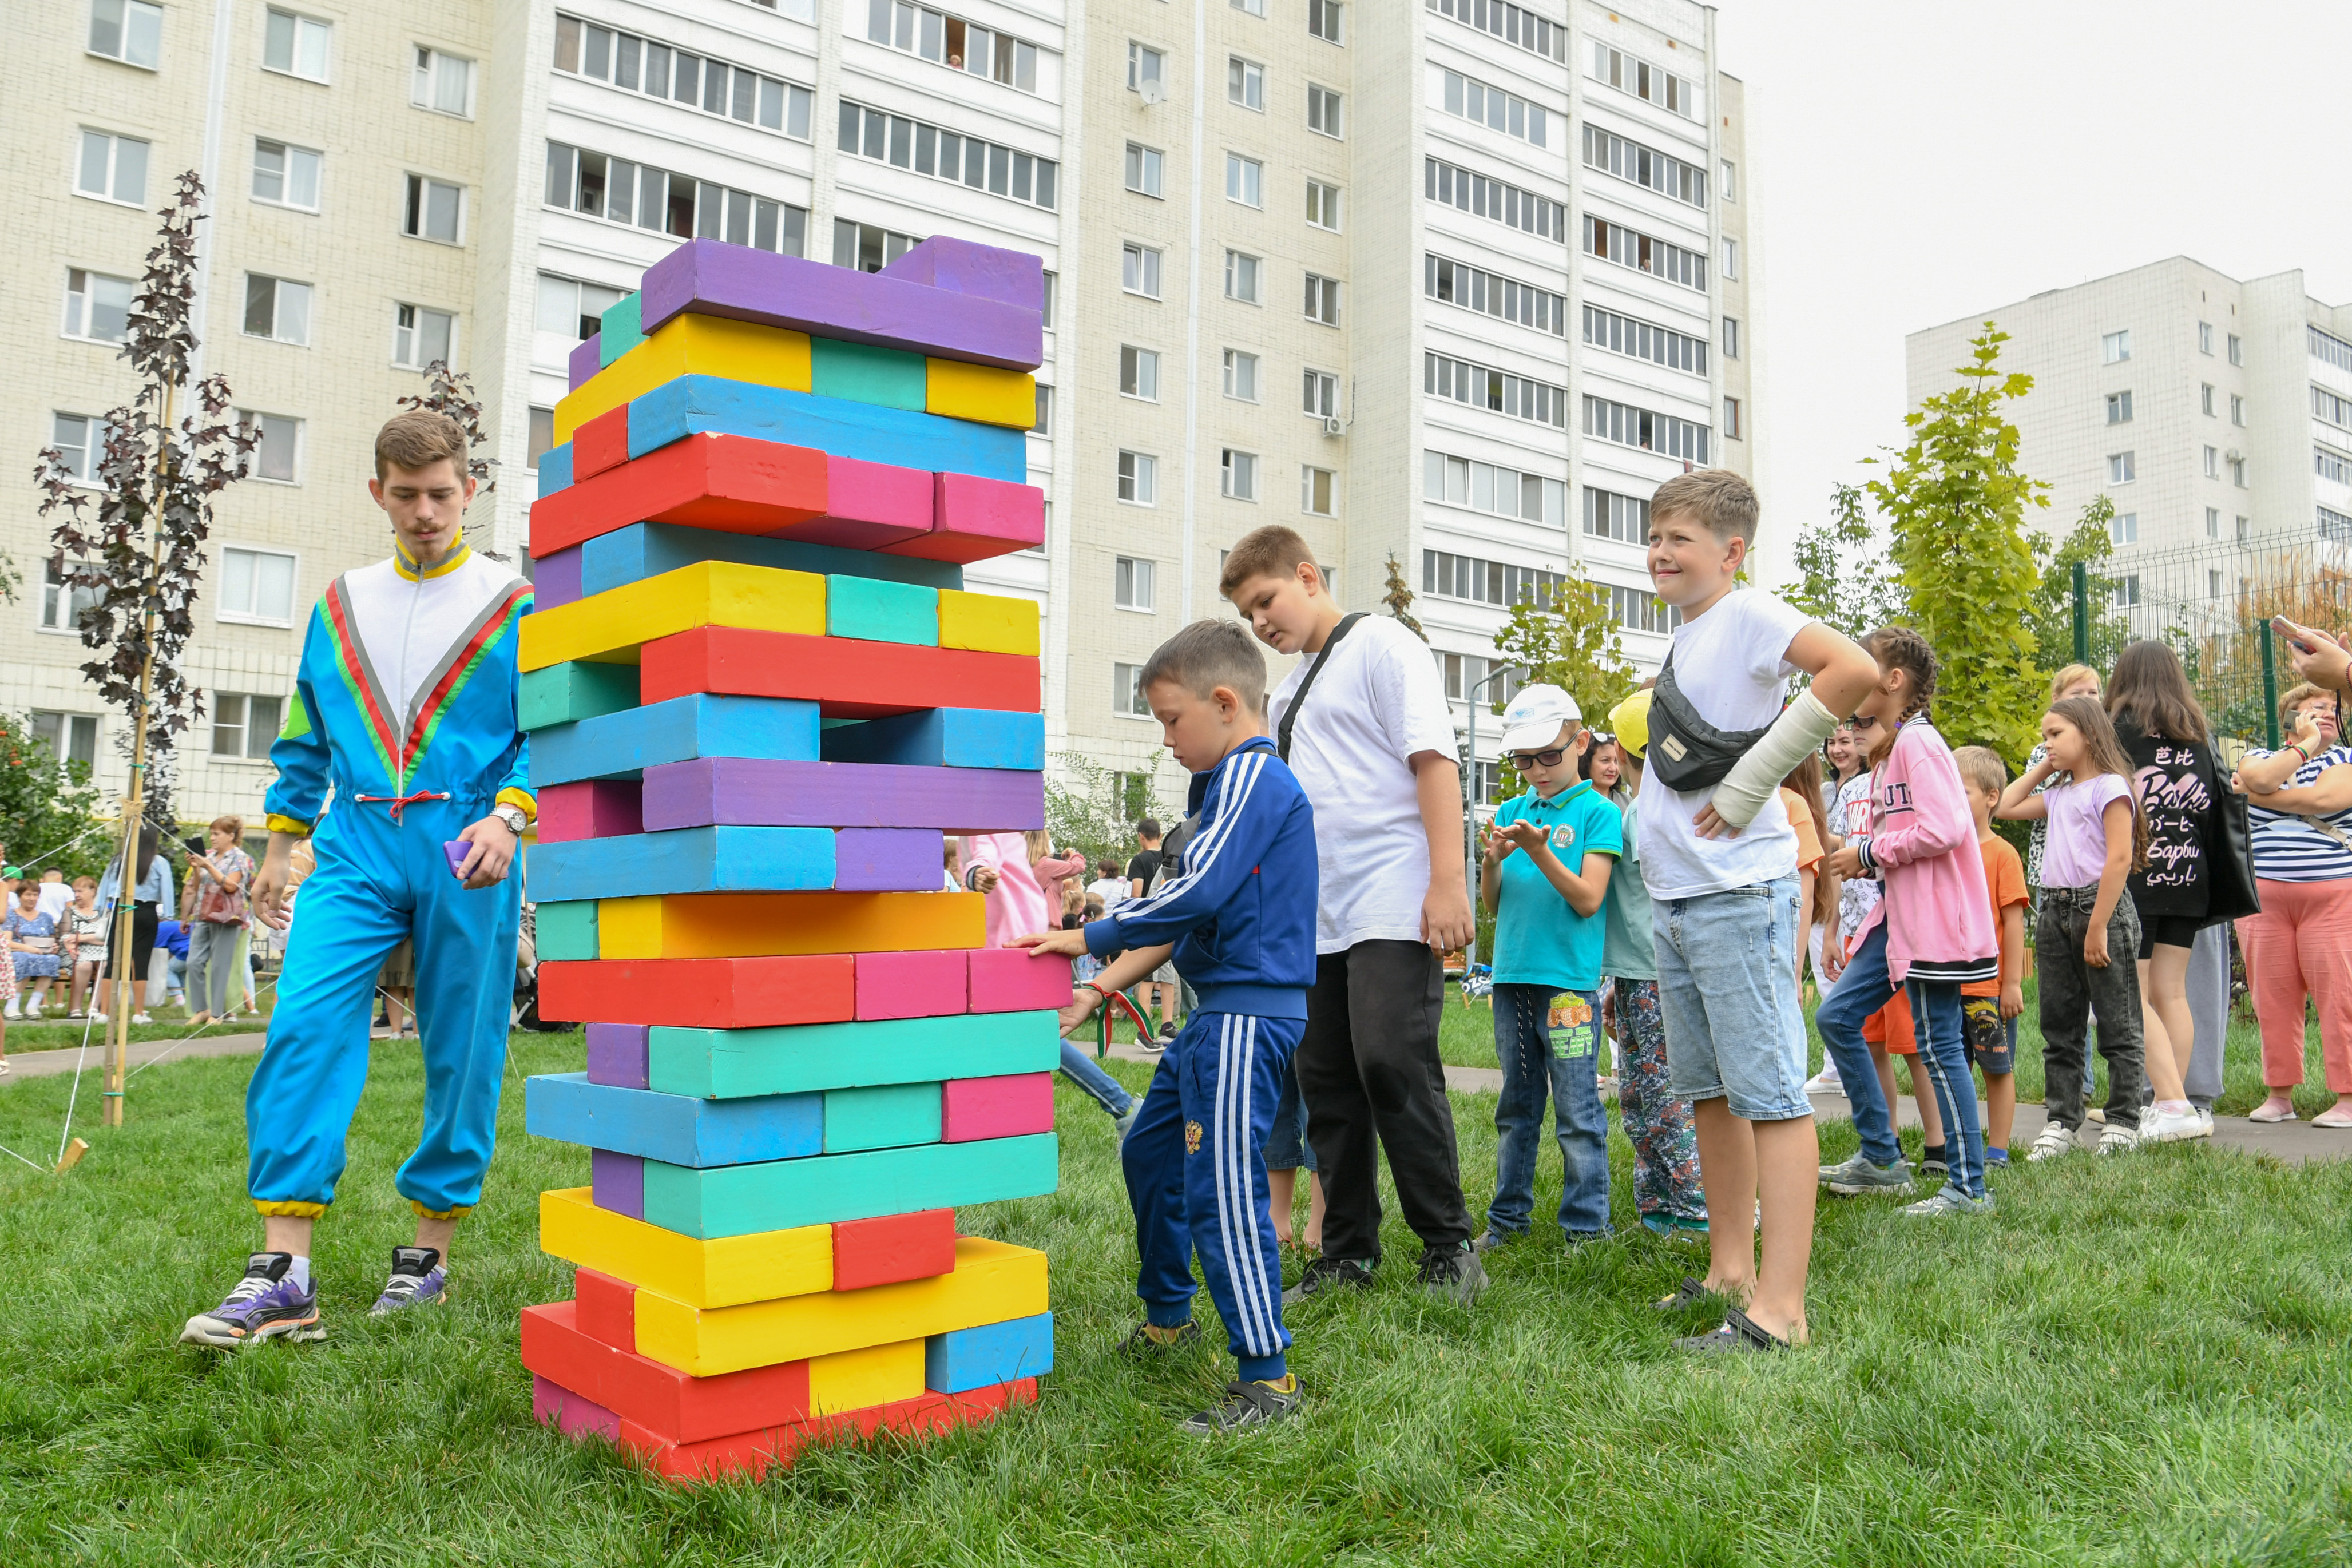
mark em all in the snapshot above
pixel 2205 1120
pixel 33 1009
pixel 15 1009
pixel 2119 1141
pixel 141 1017
pixel 1825 1082
pixel 2169 1128
pixel 2054 1140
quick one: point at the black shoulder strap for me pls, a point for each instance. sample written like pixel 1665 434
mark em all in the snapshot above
pixel 1290 714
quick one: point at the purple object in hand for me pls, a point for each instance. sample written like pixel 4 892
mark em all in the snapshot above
pixel 457 850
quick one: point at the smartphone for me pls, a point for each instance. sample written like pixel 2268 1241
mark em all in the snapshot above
pixel 2283 627
pixel 457 850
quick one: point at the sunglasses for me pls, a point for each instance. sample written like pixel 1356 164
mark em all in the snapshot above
pixel 1522 760
pixel 1602 738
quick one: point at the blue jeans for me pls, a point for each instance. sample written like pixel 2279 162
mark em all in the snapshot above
pixel 1728 987
pixel 1105 1090
pixel 1287 1148
pixel 1936 1025
pixel 1550 1049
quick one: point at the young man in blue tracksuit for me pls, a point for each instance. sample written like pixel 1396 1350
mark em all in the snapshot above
pixel 1239 910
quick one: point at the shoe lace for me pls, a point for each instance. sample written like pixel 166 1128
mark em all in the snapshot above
pixel 403 1287
pixel 250 1288
pixel 1437 1265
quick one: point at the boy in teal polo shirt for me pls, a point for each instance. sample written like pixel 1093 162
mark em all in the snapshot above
pixel 1544 875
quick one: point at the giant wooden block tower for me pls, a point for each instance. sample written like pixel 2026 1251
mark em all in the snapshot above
pixel 758 694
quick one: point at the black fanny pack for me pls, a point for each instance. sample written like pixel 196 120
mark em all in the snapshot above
pixel 1686 753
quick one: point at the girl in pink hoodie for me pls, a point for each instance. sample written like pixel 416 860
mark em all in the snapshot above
pixel 1930 933
pixel 1022 879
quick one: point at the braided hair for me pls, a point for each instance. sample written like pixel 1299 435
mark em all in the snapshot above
pixel 1901 648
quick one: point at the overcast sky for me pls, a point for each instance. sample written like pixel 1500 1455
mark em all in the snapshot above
pixel 1914 163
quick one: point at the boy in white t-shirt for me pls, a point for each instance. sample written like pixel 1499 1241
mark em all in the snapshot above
pixel 1371 740
pixel 1720 859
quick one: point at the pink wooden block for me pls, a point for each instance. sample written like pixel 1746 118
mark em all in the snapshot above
pixel 1009 1107
pixel 571 1414
pixel 591 809
pixel 868 505
pixel 928 984
pixel 974 519
pixel 1008 980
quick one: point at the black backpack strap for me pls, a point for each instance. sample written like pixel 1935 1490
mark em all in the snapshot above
pixel 1290 714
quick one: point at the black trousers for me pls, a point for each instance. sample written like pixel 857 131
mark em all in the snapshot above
pixel 144 917
pixel 1368 1069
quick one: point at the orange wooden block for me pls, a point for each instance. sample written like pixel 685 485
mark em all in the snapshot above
pixel 761 924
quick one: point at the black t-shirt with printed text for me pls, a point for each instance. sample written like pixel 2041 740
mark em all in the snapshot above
pixel 2176 782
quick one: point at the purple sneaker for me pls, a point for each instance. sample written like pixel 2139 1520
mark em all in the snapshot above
pixel 419 1278
pixel 266 1305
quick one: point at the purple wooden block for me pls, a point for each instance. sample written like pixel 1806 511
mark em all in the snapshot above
pixel 616 1055
pixel 748 791
pixel 734 280
pixel 587 359
pixel 619 1181
pixel 984 271
pixel 886 860
pixel 555 578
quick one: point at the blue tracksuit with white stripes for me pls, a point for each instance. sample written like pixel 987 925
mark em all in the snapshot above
pixel 1240 910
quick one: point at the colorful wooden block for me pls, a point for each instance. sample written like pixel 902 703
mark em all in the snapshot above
pixel 660 1398
pixel 708 993
pixel 566 931
pixel 734 1200
pixel 719 790
pixel 861 372
pixel 618 1053
pixel 942 737
pixel 600 444
pixel 648 549
pixel 983 271
pixel 723 483
pixel 689 346
pixel 619 329
pixel 609 627
pixel 1011 980
pixel 912 985
pixel 691 860
pixel 869 504
pixel 905 439
pixel 624 744
pixel 593 809
pixel 616 1182
pixel 991 622
pixel 884 1117
pixel 859 1379
pixel 770 925
pixel 1013 1105
pixel 955 389
pixel 710 279
pixel 722 1273
pixel 992 1281
pixel 877 612
pixel 993 1352
pixel 556 581
pixel 674 1128
pixel 867 1252
pixel 568 692
pixel 554 472
pixel 607 1308
pixel 845 679
pixel 974 518
pixel 585 360
pixel 874 859
pixel 972 1048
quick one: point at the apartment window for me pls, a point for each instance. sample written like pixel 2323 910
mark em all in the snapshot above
pixel 575 311
pixel 1139 479
pixel 1053 281
pixel 2212 584
pixel 1640 339
pixel 1485 582
pixel 422 337
pixel 442 83
pixel 639 195
pixel 2119 408
pixel 1630 426
pixel 1609 516
pixel 1246 83
pixel 2126 592
pixel 2115 348
pixel 1323 299
pixel 2205 398
pixel 959 45
pixel 542 435
pixel 1244 181
pixel 1628 247
pixel 286 176
pixel 1042 423
pixel 1323 109
pixel 81 443
pixel 432 209
pixel 1499 391
pixel 112 168
pixel 1143 168
pixel 1254 7
pixel 98 306
pixel 1241 277
pixel 1727 177
pixel 1319 490
pixel 276 449
pixel 2122 468
pixel 1146 65
pixel 296 45
pixel 256 585
pixel 2333 525
pixel 1505 204
pixel 2238 471
pixel 2212 522
pixel 1323 17
pixel 1731 427
pixel 2332 349
pixel 1237 473
pixel 867 247
pixel 2245 527
pixel 2237 409
pixel 276 309
pixel 1646 82
pixel 1474 288
pixel 907 143
pixel 62 604
pixel 244 724
pixel 1509 23
pixel 1139 373
pixel 1323 205
pixel 2204 337
pixel 1131 583
pixel 1731 258
pixel 1139 270
pixel 131 31
pixel 2331 409
pixel 1629 159
pixel 1488 106
pixel 2212 463
pixel 70 737
pixel 1319 394
pixel 1730 337
pixel 655 70
pixel 2123 529
pixel 1126 691
pixel 1241 375
pixel 2237 349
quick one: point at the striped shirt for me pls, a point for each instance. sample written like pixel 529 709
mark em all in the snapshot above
pixel 2293 847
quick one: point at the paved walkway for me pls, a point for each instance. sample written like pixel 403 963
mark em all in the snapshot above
pixel 42 1063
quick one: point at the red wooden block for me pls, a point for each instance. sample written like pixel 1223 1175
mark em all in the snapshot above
pixel 974 519
pixel 918 985
pixel 1008 1107
pixel 600 444
pixel 607 1309
pixel 847 678
pixel 868 505
pixel 729 483
pixel 1011 980
pixel 659 1399
pixel 919 1245
pixel 702 993
pixel 591 809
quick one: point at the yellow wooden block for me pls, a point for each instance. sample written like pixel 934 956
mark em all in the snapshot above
pixel 991 622
pixel 775 924
pixel 861 1379
pixel 608 628
pixel 980 392
pixel 691 345
pixel 722 1273
pixel 992 1281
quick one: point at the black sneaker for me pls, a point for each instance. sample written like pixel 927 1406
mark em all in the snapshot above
pixel 1168 1030
pixel 1328 1274
pixel 1245 1405
pixel 1453 1272
pixel 1932 1161
pixel 1141 1346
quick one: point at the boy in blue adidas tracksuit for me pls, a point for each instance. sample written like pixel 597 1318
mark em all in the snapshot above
pixel 1240 911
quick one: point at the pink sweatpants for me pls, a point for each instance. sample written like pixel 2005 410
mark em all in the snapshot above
pixel 2299 946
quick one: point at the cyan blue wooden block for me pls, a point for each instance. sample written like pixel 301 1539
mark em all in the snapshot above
pixel 742 1200
pixel 690 404
pixel 647 550
pixel 555 470
pixel 864 372
pixel 686 860
pixel 793 1059
pixel 623 744
pixel 618 331
pixel 939 737
pixel 993 1353
pixel 876 611
pixel 698 1134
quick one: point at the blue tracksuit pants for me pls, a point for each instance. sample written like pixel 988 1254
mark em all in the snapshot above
pixel 377 882
pixel 1195 1163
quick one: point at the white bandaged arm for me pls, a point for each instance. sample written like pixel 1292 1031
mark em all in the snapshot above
pixel 1801 728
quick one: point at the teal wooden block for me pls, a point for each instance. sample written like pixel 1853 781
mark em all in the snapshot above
pixel 567 1108
pixel 887 1117
pixel 942 738
pixel 572 691
pixel 864 374
pixel 992 1354
pixel 620 330
pixel 567 930
pixel 877 612
pixel 725 1063
pixel 822 1189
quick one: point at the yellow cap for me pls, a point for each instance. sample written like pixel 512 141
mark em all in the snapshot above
pixel 1630 720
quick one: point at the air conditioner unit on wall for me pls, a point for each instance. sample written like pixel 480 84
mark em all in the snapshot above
pixel 1334 425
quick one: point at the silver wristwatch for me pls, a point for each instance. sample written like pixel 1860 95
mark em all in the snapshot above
pixel 511 815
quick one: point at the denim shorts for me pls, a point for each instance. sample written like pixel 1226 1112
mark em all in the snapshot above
pixel 1728 987
pixel 1988 1039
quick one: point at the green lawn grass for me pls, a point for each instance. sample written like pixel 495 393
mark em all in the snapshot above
pixel 2135 1361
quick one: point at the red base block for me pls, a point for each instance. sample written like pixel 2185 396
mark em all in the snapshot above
pixel 919 1245
pixel 659 1400
pixel 723 482
pixel 847 678
pixel 701 993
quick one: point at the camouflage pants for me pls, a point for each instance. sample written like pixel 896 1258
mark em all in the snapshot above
pixel 1658 1126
